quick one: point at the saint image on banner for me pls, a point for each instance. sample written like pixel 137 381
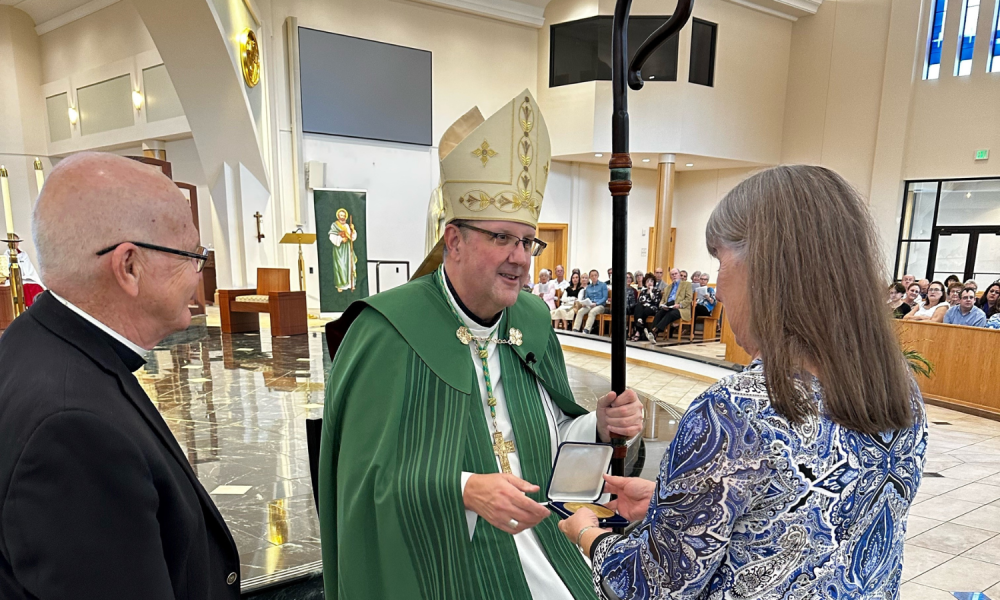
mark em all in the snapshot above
pixel 342 236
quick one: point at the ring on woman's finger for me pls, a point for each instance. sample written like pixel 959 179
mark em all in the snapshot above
pixel 512 524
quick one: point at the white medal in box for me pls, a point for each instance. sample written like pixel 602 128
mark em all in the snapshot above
pixel 578 480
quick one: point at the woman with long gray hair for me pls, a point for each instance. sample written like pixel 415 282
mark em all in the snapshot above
pixel 794 478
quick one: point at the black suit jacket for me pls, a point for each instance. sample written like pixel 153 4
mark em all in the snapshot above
pixel 97 499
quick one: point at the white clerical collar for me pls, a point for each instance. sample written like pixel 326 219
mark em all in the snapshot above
pixel 117 336
pixel 476 329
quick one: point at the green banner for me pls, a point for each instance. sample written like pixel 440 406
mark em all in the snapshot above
pixel 342 244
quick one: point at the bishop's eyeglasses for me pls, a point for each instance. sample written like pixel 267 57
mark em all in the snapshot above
pixel 532 246
pixel 200 254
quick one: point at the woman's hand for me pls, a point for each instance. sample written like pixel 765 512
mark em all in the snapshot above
pixel 572 526
pixel 633 494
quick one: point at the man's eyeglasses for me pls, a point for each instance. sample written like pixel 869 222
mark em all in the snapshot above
pixel 200 254
pixel 532 246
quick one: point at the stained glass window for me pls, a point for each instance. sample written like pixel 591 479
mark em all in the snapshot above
pixel 933 66
pixel 967 38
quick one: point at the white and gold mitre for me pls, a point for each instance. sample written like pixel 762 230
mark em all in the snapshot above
pixel 498 172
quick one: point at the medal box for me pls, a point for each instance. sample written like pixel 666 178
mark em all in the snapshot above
pixel 578 480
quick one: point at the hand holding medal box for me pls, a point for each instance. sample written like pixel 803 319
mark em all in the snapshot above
pixel 578 480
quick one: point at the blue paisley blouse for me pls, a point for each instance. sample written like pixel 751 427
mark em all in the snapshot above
pixel 748 506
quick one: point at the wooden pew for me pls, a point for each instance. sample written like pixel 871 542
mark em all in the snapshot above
pixel 966 363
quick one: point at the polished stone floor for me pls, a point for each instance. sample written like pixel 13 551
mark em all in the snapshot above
pixel 238 405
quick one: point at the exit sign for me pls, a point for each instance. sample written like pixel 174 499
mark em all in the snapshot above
pixel 982 154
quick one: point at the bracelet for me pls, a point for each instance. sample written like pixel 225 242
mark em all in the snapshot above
pixel 579 537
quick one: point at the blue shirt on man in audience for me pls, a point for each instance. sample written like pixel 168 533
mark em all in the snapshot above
pixel 597 292
pixel 966 313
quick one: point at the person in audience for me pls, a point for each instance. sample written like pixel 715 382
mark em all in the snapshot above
pixel 563 315
pixel 908 280
pixel 972 284
pixel 924 284
pixel 704 297
pixel 630 280
pixel 993 322
pixel 675 304
pixel 794 478
pixel 913 298
pixel 955 293
pixel 30 280
pixel 630 294
pixel 695 280
pixel 896 294
pixel 545 289
pixel 934 307
pixel 646 305
pixel 989 303
pixel 658 273
pixel 684 275
pixel 99 500
pixel 639 277
pixel 593 302
pixel 951 280
pixel 608 282
pixel 561 282
pixel 966 313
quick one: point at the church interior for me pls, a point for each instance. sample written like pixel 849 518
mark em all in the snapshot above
pixel 310 138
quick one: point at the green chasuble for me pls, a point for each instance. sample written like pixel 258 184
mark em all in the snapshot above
pixel 403 419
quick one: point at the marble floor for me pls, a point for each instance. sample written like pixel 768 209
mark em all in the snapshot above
pixel 238 405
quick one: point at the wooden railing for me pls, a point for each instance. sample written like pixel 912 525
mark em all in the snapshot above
pixel 966 362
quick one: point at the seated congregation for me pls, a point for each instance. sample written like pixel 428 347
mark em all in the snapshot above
pixel 653 306
pixel 950 302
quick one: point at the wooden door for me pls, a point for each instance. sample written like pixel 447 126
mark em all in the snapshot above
pixel 556 236
pixel 651 251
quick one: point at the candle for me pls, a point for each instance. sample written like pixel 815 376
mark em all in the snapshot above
pixel 5 187
pixel 39 175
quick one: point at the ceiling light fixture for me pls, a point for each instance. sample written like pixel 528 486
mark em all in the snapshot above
pixel 652 77
pixel 73 116
pixel 968 194
pixel 689 165
pixel 598 155
pixel 137 100
pixel 645 160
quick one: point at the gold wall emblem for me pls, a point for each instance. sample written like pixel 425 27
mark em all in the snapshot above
pixel 250 57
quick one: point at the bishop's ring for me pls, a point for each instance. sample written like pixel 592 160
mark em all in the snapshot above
pixel 512 524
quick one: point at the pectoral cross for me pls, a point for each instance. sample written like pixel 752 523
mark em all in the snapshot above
pixel 502 449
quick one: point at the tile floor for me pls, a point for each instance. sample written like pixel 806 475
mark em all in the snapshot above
pixel 953 531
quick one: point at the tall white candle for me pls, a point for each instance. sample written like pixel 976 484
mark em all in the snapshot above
pixel 39 175
pixel 5 187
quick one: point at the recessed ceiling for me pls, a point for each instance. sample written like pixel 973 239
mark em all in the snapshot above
pixel 699 163
pixel 51 14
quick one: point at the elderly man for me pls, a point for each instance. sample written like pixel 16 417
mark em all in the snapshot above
pixel 908 280
pixel 561 282
pixel 97 500
pixel 447 400
pixel 966 313
pixel 660 283
pixel 924 284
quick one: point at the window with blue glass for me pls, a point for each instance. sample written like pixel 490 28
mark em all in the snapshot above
pixel 967 37
pixel 994 63
pixel 936 39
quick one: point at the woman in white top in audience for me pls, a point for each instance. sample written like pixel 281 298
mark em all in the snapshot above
pixel 563 315
pixel 934 308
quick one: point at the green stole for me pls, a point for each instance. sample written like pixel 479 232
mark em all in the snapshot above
pixel 433 432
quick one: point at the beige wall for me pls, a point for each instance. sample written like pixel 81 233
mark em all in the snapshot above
pixel 22 115
pixel 110 34
pixel 695 196
pixel 476 61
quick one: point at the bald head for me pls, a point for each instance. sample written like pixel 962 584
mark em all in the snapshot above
pixel 94 200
